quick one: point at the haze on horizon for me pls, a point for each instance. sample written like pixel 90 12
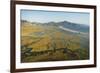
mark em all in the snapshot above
pixel 55 16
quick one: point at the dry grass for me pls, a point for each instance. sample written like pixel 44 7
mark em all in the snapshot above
pixel 40 38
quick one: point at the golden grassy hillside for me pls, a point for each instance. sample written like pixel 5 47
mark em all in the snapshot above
pixel 49 43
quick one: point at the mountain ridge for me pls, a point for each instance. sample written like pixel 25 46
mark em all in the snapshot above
pixel 65 24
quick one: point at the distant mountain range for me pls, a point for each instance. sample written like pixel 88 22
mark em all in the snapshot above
pixel 65 24
pixel 69 25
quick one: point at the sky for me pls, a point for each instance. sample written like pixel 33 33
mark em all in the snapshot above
pixel 55 16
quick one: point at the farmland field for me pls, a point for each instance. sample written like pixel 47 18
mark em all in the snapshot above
pixel 42 42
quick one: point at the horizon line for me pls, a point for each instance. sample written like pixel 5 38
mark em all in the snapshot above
pixel 54 22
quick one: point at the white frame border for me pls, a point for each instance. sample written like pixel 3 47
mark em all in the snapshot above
pixel 20 65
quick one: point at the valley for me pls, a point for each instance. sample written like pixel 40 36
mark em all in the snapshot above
pixel 50 42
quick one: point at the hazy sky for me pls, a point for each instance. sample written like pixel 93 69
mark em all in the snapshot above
pixel 48 16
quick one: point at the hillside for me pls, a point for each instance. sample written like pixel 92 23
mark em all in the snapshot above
pixel 50 42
